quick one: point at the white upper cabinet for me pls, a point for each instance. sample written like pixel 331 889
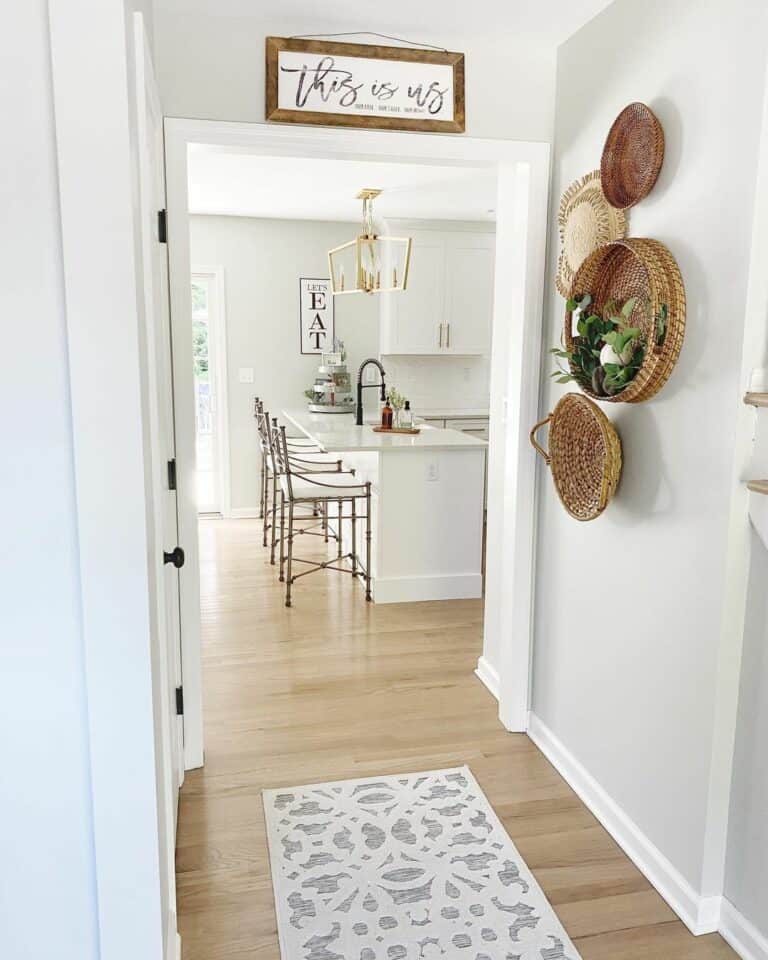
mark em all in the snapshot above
pixel 448 304
pixel 412 323
pixel 469 270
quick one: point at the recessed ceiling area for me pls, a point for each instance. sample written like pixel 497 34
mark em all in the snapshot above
pixel 250 185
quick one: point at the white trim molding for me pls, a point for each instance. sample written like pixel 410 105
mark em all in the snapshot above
pixel 488 675
pixel 460 586
pixel 244 513
pixel 699 914
pixel 741 934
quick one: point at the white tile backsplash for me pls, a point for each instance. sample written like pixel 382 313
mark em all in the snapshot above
pixel 436 382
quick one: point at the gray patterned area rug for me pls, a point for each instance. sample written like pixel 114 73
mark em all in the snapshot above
pixel 408 867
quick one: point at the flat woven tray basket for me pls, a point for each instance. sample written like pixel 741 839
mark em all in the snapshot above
pixel 584 455
pixel 646 270
pixel 632 156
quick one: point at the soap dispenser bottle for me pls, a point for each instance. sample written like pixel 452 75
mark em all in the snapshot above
pixel 386 416
pixel 406 417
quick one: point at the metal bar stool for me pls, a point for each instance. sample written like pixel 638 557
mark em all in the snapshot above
pixel 308 462
pixel 268 479
pixel 297 489
pixel 301 445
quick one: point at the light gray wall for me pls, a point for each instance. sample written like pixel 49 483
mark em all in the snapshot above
pixel 212 64
pixel 747 875
pixel 47 885
pixel 263 260
pixel 628 607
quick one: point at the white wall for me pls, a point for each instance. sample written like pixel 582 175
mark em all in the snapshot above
pixel 46 851
pixel 628 608
pixel 212 64
pixel 263 260
pixel 747 874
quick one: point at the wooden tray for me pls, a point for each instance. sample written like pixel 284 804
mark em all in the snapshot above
pixel 396 430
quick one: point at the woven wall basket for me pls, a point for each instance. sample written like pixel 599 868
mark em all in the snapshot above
pixel 644 269
pixel 584 455
pixel 632 156
pixel 586 221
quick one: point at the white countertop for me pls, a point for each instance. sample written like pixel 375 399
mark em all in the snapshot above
pixel 337 432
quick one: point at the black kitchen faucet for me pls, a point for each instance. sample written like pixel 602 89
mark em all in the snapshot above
pixel 361 385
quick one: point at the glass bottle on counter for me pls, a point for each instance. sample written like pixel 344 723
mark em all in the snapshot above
pixel 406 417
pixel 386 416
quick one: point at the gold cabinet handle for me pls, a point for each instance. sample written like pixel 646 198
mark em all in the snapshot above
pixel 440 327
pixel 447 334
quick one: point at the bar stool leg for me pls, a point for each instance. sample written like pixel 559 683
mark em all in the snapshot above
pixel 325 519
pixel 289 580
pixel 282 536
pixel 353 506
pixel 339 504
pixel 263 484
pixel 368 541
pixel 265 523
pixel 274 522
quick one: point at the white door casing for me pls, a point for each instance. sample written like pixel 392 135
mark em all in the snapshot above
pixel 158 398
pixel 523 170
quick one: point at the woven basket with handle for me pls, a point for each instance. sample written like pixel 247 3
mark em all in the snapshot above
pixel 584 455
pixel 646 270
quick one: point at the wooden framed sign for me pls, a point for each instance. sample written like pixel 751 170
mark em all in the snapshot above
pixel 316 315
pixel 361 85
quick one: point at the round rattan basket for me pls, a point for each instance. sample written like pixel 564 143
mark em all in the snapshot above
pixel 586 221
pixel 632 156
pixel 584 455
pixel 646 270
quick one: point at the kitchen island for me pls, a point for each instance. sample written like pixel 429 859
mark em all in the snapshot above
pixel 427 501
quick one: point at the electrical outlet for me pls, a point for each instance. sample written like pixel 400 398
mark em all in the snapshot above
pixel 433 470
pixel 245 374
pixel 371 373
pixel 467 374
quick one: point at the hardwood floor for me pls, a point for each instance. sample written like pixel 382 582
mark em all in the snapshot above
pixel 336 688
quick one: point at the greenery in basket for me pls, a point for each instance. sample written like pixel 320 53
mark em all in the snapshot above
pixel 607 353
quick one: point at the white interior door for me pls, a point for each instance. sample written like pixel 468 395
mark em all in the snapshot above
pixel 158 402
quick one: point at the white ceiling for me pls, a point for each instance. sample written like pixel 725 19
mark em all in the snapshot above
pixel 249 185
pixel 434 21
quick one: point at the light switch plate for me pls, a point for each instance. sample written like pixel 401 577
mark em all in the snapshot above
pixel 433 470
pixel 245 374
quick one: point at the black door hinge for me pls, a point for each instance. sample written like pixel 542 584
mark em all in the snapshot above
pixel 162 226
pixel 172 474
pixel 179 701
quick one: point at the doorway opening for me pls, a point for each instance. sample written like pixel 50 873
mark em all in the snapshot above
pixel 520 170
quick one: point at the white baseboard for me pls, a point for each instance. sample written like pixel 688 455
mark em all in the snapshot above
pixel 488 676
pixel 741 934
pixel 461 586
pixel 699 914
pixel 244 513
pixel 178 946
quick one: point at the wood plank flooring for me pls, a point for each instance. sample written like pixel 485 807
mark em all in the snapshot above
pixel 336 688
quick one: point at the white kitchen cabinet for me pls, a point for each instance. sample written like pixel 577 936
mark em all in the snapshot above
pixel 448 305
pixel 410 325
pixel 469 269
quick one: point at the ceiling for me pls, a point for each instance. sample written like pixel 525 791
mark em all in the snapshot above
pixel 249 185
pixel 435 21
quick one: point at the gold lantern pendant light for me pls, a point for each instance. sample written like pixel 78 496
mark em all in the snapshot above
pixel 370 263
